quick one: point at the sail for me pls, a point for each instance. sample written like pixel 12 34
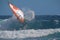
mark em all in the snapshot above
pixel 17 12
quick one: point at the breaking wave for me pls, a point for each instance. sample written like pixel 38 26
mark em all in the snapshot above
pixel 27 33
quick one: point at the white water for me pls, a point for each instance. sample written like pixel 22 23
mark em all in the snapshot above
pixel 27 33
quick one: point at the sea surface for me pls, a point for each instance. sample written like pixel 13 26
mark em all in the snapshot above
pixel 43 27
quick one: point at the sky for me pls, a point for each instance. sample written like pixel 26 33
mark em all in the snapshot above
pixel 40 7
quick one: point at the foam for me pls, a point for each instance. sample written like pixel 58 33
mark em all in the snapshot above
pixel 27 33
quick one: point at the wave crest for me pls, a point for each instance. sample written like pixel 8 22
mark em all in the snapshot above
pixel 27 33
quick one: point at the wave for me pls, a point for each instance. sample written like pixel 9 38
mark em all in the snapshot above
pixel 27 33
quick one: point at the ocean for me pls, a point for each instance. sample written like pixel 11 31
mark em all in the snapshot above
pixel 43 27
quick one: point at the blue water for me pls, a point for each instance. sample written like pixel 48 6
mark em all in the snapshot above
pixel 43 27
